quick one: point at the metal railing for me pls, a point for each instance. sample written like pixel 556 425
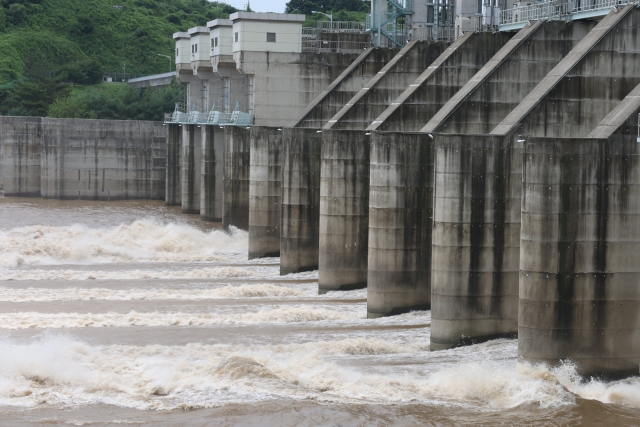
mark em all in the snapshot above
pixel 236 118
pixel 435 33
pixel 341 27
pixel 309 32
pixel 324 46
pixel 535 12
pixel 593 5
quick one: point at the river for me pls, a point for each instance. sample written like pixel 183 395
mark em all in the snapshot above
pixel 131 313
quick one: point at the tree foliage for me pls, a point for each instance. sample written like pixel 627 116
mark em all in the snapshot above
pixel 326 6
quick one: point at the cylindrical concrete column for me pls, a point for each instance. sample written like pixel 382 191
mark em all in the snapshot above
pixel 191 159
pixel 579 270
pixel 476 237
pixel 400 211
pixel 173 195
pixel 265 192
pixel 300 200
pixel 236 177
pixel 344 211
pixel 212 177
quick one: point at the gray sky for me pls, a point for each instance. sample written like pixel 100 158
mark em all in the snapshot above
pixel 260 5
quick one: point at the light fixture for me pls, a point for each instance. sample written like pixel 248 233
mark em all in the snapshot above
pixel 279 128
pixel 521 138
pixel 368 133
pixel 430 135
pixel 318 131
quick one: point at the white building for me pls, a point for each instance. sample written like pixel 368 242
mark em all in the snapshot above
pixel 221 36
pixel 267 32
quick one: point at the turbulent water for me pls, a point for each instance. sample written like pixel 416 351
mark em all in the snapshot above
pixel 131 313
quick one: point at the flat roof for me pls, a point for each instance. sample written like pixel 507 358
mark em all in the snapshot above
pixel 198 30
pixel 259 16
pixel 181 35
pixel 219 23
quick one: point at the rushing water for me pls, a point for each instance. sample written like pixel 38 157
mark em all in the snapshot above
pixel 132 313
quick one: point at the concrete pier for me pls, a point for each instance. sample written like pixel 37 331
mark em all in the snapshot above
pixel 235 210
pixel 344 211
pixel 579 294
pixel 212 177
pixel 400 221
pixel 265 192
pixel 173 196
pixel 191 163
pixel 476 236
pixel 299 237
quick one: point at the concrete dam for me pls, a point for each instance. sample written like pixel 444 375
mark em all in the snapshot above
pixel 492 178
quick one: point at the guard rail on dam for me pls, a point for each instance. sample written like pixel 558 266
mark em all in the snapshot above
pixel 496 183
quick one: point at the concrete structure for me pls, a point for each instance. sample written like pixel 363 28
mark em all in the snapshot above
pixel 344 211
pixel 318 112
pixel 299 230
pixel 438 83
pixel 267 32
pixel 221 35
pixel 377 94
pixel 173 189
pixel 191 163
pixel 400 218
pixel 212 174
pixel 156 80
pixel 235 204
pixel 102 159
pixel 20 156
pixel 265 192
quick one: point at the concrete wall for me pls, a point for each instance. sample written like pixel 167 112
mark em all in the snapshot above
pixel 283 84
pixel 265 192
pixel 300 200
pixel 346 84
pixel 191 164
pixel 20 145
pixel 476 236
pixel 579 297
pixel 173 187
pixel 377 94
pixel 411 110
pixel 235 210
pixel 212 174
pixel 508 77
pixel 582 89
pixel 103 159
pixel 400 221
pixel 344 210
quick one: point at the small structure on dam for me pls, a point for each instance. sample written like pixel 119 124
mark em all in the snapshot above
pixel 487 173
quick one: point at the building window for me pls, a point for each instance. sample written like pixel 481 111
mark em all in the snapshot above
pixel 213 43
pixel 271 37
pixel 216 42
pixel 177 52
pixel 194 48
pixel 236 36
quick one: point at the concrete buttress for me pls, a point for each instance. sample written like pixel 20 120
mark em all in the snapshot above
pixel 344 211
pixel 173 196
pixel 236 178
pixel 300 200
pixel 212 176
pixel 400 218
pixel 265 192
pixel 191 163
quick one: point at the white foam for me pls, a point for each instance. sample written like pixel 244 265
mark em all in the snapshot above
pixel 143 240
pixel 260 290
pixel 23 320
pixel 196 273
pixel 60 370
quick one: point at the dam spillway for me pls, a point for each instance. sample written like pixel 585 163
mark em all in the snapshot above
pixel 491 182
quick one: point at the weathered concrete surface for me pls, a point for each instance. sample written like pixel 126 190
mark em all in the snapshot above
pixel 173 196
pixel 335 95
pixel 378 93
pixel 235 211
pixel 103 159
pixel 622 120
pixel 400 221
pixel 20 142
pixel 344 211
pixel 212 177
pixel 476 236
pixel 265 192
pixel 579 294
pixel 439 82
pixel 191 163
pixel 586 85
pixel 299 228
pixel 508 77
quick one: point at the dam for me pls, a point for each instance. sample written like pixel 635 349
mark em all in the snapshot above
pixel 483 170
